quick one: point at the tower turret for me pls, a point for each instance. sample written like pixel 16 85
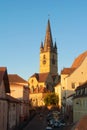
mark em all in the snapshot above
pixel 41 47
pixel 55 47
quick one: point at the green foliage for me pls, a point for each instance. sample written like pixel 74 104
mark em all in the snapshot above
pixel 51 99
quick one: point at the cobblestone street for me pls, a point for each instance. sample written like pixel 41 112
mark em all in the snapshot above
pixel 37 123
pixel 40 123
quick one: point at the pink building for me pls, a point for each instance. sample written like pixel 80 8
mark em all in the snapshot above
pixel 20 90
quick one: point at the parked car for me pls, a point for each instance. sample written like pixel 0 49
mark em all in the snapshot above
pixel 58 124
pixel 62 120
pixel 49 128
pixel 51 122
pixel 49 116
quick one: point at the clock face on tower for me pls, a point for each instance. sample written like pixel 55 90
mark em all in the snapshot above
pixel 44 61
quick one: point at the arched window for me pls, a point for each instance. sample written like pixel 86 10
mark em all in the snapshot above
pixel 44 57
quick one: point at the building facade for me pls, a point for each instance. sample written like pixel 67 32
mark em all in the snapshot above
pixel 58 92
pixel 80 102
pixel 13 112
pixel 20 90
pixel 74 76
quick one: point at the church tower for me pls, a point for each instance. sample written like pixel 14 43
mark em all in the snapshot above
pixel 47 78
pixel 48 54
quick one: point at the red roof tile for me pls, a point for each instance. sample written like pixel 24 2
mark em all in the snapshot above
pixel 77 62
pixel 14 78
pixel 67 70
pixel 41 77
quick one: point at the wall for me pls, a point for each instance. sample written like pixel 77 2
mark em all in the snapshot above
pixel 3 107
pixel 3 114
pixel 58 92
pixel 37 99
pixel 79 108
pixel 78 77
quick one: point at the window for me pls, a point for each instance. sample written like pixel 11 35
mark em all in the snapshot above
pixel 78 92
pixel 44 57
pixel 85 90
pixel 63 87
pixel 32 89
pixel 73 85
pixel 32 81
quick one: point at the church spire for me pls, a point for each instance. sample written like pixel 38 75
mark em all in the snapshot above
pixel 48 43
pixel 41 47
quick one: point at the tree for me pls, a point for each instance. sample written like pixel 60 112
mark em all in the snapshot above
pixel 51 99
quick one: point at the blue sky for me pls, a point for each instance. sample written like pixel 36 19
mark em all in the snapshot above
pixel 23 27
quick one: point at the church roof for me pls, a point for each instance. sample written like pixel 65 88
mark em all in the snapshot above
pixel 77 62
pixel 41 77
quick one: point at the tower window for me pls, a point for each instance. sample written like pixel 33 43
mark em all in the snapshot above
pixel 44 57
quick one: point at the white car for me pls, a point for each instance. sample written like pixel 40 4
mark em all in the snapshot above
pixel 48 128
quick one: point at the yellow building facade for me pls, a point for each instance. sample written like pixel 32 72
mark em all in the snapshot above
pixel 58 92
